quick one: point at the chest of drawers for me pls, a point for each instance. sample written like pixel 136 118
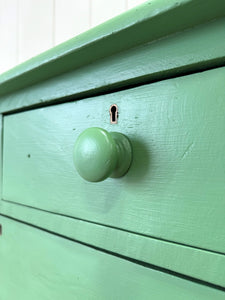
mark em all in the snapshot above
pixel 159 229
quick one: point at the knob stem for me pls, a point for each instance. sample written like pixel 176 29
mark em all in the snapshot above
pixel 124 154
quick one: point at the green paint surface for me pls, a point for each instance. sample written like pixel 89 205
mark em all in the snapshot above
pixel 37 265
pixel 196 263
pixel 99 154
pixel 130 29
pixel 174 189
pixel 169 208
pixel 182 52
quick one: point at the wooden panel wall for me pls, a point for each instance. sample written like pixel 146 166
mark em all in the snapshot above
pixel 29 27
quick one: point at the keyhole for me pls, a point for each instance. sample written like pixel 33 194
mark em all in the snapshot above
pixel 113 114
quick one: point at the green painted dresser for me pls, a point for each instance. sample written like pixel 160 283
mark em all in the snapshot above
pixel 113 161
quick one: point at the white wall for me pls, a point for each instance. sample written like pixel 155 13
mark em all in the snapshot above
pixel 29 27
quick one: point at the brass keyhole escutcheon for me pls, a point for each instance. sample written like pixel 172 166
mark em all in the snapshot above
pixel 113 114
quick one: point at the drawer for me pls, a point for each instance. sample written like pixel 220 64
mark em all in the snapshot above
pixel 174 189
pixel 56 268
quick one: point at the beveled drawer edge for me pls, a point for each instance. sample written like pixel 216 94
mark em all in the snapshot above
pixel 175 55
pixel 198 264
pixel 144 23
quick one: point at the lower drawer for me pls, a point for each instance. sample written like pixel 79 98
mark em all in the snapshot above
pixel 37 265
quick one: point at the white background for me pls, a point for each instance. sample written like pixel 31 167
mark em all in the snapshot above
pixel 29 27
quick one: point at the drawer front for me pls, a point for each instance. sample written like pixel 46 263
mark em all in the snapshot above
pixel 38 265
pixel 175 187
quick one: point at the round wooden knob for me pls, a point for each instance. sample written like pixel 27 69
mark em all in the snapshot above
pixel 99 154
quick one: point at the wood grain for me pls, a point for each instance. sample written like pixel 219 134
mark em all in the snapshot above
pixel 175 187
pixel 38 265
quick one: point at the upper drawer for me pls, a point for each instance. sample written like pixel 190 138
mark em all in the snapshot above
pixel 175 187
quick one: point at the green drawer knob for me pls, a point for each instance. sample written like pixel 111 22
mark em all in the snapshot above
pixel 99 154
